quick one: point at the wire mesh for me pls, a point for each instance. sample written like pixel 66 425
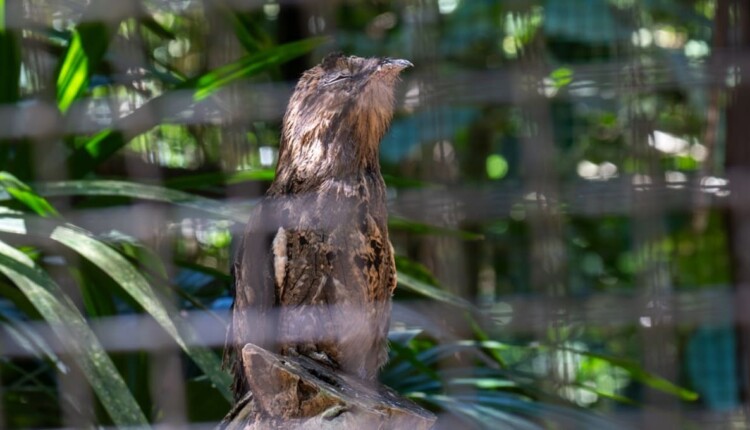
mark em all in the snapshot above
pixel 566 197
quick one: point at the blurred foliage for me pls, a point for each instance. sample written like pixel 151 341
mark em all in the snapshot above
pixel 136 112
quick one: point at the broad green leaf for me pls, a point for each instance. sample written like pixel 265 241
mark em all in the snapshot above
pixel 24 194
pixel 132 281
pixel 70 326
pixel 105 143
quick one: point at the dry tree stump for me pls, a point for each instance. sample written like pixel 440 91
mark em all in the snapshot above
pixel 299 393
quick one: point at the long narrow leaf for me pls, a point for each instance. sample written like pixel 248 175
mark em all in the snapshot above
pixel 86 48
pixel 133 282
pixel 73 76
pixel 250 65
pixel 70 326
pixel 139 191
pixel 431 291
pixel 638 373
pixel 220 178
pixel 24 194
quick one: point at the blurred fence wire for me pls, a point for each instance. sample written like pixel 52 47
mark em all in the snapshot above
pixel 567 186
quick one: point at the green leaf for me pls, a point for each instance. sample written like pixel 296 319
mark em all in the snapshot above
pixel 135 284
pixel 484 383
pixel 140 191
pixel 410 356
pixel 640 374
pixel 73 76
pixel 71 328
pixel 432 292
pixel 220 178
pixel 489 418
pixel 87 46
pixel 561 77
pixel 33 342
pixel 25 195
pixel 251 64
pixel 415 269
pixel 243 29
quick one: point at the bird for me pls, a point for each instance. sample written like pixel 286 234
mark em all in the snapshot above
pixel 314 271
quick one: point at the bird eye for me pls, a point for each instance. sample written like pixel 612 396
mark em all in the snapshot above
pixel 337 78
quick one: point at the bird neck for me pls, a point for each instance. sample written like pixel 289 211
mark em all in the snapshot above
pixel 339 148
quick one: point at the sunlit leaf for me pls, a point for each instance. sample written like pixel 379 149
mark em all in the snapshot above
pixel 25 195
pixel 71 328
pixel 561 77
pixel 87 46
pixel 73 76
pixel 638 373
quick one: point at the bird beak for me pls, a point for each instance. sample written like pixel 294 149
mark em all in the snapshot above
pixel 399 64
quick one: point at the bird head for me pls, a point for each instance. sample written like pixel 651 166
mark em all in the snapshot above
pixel 338 114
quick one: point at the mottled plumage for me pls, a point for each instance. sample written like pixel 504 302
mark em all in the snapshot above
pixel 314 273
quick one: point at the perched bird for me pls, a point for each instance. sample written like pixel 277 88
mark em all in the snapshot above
pixel 314 273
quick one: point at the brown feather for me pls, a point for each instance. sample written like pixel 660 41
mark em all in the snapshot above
pixel 315 272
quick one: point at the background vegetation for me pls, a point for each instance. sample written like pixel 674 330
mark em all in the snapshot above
pixel 558 186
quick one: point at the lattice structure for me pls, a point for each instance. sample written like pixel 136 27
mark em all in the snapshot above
pixel 566 190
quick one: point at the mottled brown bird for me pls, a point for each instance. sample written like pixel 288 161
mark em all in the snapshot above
pixel 314 273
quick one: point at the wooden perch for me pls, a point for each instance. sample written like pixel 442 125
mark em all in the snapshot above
pixel 299 393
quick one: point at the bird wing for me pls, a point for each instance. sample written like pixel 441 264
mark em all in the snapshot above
pixel 253 291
